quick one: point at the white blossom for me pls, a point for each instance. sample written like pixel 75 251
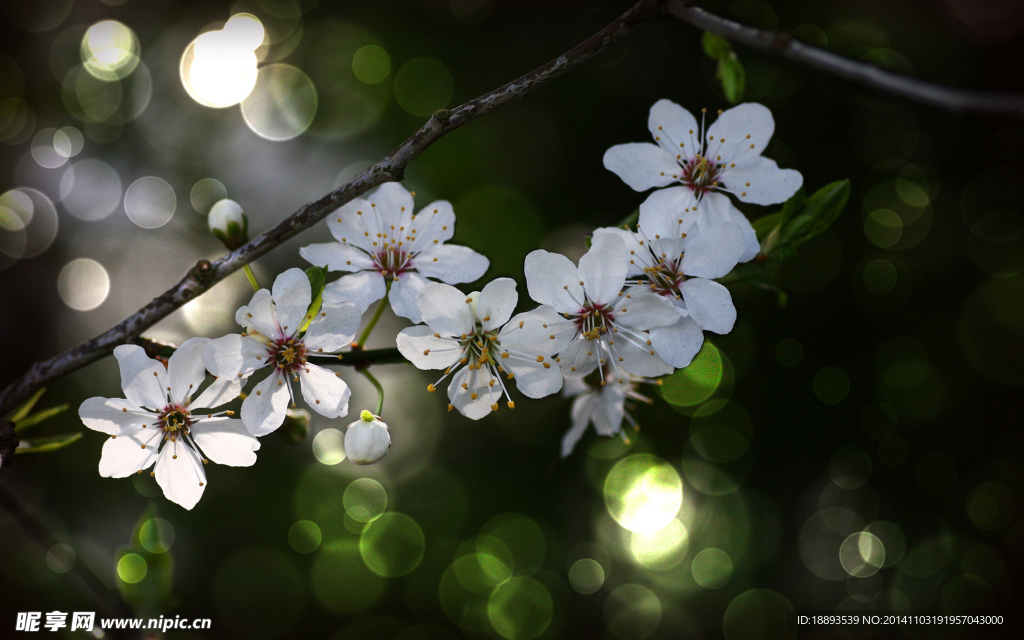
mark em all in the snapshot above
pixel 276 337
pixel 679 265
pixel 380 239
pixel 228 223
pixel 161 421
pixel 367 440
pixel 471 338
pixel 598 325
pixel 700 168
pixel 602 404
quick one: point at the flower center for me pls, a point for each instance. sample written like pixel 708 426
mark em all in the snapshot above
pixel 593 320
pixel 665 277
pixel 288 354
pixel 480 348
pixel 700 174
pixel 392 260
pixel 175 420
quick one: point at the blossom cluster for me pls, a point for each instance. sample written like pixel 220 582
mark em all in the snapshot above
pixel 634 308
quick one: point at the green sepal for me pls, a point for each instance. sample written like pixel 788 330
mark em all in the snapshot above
pixel 22 410
pixel 714 46
pixel 39 416
pixel 733 78
pixel 317 280
pixel 46 444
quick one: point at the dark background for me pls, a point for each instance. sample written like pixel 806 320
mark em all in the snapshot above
pixel 928 329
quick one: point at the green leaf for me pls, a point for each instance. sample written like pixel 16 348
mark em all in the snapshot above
pixel 36 418
pixel 145 579
pixel 47 443
pixel 766 224
pixel 715 47
pixel 733 78
pixel 317 280
pixel 811 218
pixel 22 411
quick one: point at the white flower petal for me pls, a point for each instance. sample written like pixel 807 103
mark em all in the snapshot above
pixel 713 253
pixel 113 416
pixel 324 391
pixel 497 301
pixel 668 212
pixel 225 441
pixel 759 180
pixel 553 279
pixel 361 289
pixel 644 311
pixel 607 416
pixel 717 209
pixel 434 224
pixel 333 328
pixel 533 379
pixel 132 360
pixel 638 255
pixel 640 360
pixel 179 472
pixel 642 165
pixel 451 263
pixel 603 268
pixel 476 382
pixel 579 358
pixel 677 344
pixel 233 356
pixel 259 315
pixel 129 453
pixel 391 203
pixel 185 369
pixel 573 387
pixel 149 388
pixel 348 227
pixel 446 310
pixel 676 127
pixel 264 409
pixel 419 346
pixel 538 332
pixel 404 292
pixel 221 391
pixel 710 305
pixel 582 408
pixel 292 295
pixel 734 126
pixel 335 256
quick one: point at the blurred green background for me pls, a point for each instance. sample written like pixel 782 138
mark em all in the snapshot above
pixel 858 450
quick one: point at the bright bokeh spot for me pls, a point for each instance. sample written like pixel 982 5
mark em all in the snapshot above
pixel 660 550
pixel 862 554
pixel 392 545
pixel 156 535
pixel 218 69
pixel 643 493
pixel 83 284
pixel 132 568
pixel 304 536
pixel 712 568
pixel 365 499
pixel 371 64
pixel 329 446
pixel 90 189
pixel 110 50
pixel 282 103
pixel 150 202
pixel 586 575
pixel 520 609
pixel 44 149
pixel 697 382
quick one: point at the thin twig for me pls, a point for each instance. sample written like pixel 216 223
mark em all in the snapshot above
pixel 206 274
pixel 357 358
pixel 781 44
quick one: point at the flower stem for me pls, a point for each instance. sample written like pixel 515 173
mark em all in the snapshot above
pixel 252 278
pixel 376 316
pixel 380 391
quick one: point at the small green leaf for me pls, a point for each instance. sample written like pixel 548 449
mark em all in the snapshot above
pixel 766 224
pixel 813 216
pixel 317 280
pixel 36 418
pixel 733 78
pixel 47 443
pixel 715 47
pixel 22 411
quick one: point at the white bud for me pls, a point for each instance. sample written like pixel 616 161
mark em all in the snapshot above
pixel 367 440
pixel 228 223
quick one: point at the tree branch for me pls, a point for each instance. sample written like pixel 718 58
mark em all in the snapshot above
pixel 206 274
pixel 778 43
pixel 358 358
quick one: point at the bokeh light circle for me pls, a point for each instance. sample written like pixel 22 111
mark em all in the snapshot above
pixel 392 545
pixel 712 568
pixel 632 612
pixel 758 614
pixel 218 69
pixel 282 104
pixel 304 536
pixel 849 467
pixel 660 550
pixel 371 64
pixel 60 558
pixel 28 223
pixel 156 535
pixel 83 284
pixel 365 499
pixel 132 568
pixel 423 85
pixel 110 50
pixel 586 576
pixel 831 385
pixel 90 189
pixel 520 608
pixel 862 554
pixel 342 582
pixel 150 202
pixel 329 446
pixel 696 382
pixel 643 493
pixel 205 193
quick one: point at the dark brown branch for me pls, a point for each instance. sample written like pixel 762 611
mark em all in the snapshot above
pixel 206 274
pixel 780 44
pixel 359 358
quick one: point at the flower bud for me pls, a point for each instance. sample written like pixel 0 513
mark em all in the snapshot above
pixel 228 223
pixel 367 439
